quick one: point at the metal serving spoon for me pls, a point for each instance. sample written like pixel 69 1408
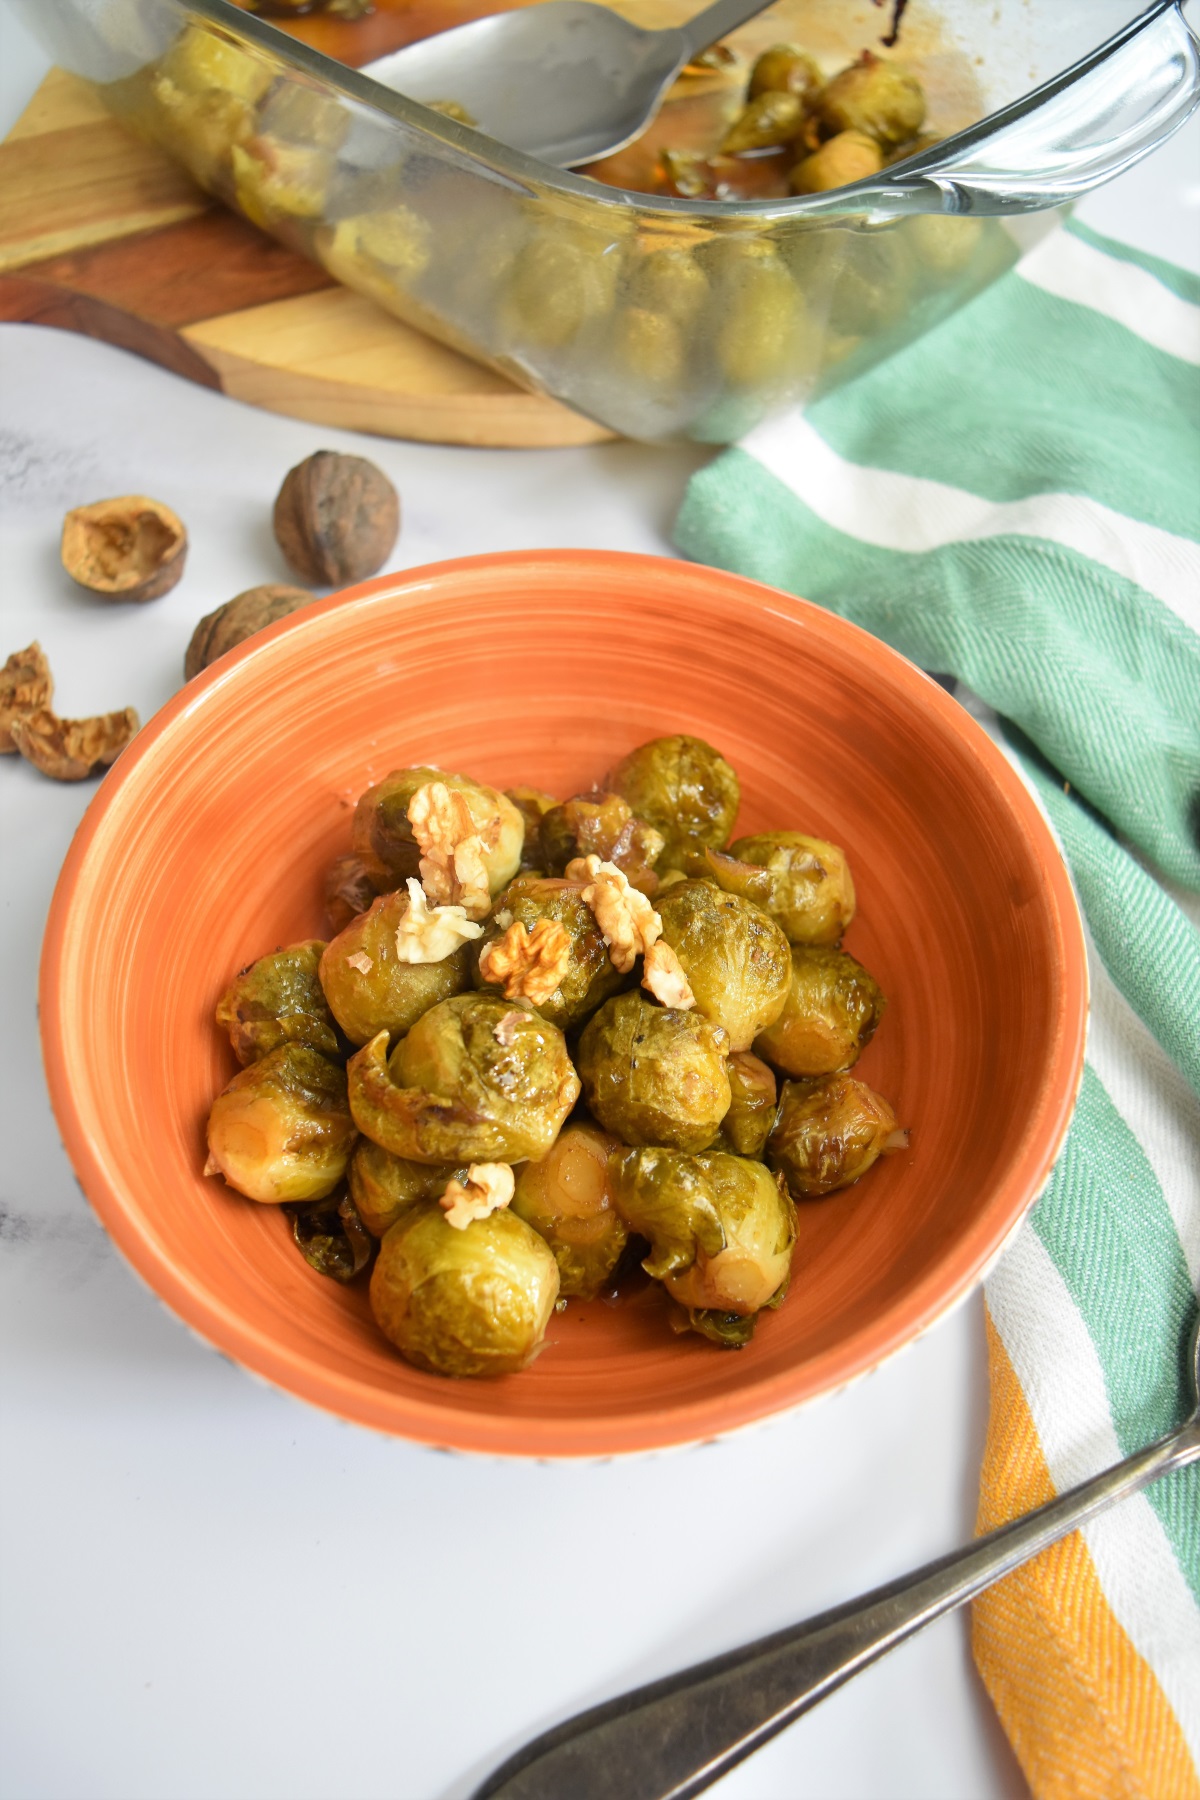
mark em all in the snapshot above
pixel 565 81
pixel 672 1739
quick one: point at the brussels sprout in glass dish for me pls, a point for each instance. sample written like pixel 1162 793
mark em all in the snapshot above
pixel 583 974
pixel 568 1198
pixel 721 1231
pixel 655 1075
pixel 383 1186
pixel 370 989
pixel 282 1129
pixel 684 787
pixel 475 1080
pixel 464 1302
pixel 279 1000
pixel 829 1131
pixel 735 957
pixel 831 1014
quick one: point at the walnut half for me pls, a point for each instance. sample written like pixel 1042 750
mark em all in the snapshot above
pixel 528 965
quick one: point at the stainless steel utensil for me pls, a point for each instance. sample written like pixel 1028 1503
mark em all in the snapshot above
pixel 674 1738
pixel 566 81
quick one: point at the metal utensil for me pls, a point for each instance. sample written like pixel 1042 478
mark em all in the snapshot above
pixel 565 81
pixel 673 1738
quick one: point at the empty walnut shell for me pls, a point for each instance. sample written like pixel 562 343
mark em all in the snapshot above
pixel 72 749
pixel 131 548
pixel 336 518
pixel 26 685
pixel 239 619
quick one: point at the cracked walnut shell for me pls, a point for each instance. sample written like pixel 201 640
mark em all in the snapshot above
pixel 238 619
pixel 72 749
pixel 336 518
pixel 26 686
pixel 130 548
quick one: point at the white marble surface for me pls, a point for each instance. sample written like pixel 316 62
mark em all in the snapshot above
pixel 211 1592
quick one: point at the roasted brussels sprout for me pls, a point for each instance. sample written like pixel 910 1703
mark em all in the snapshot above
pixel 475 1080
pixel 383 837
pixel 464 1302
pixel 587 976
pixel 829 1131
pixel 772 117
pixel 349 891
pixel 653 1075
pixel 875 97
pixel 803 882
pixel 278 1000
pixel 560 284
pixel 735 957
pixel 367 985
pixel 764 326
pixel 832 1010
pixel 568 1199
pixel 533 805
pixel 384 1186
pixel 603 825
pixel 720 1227
pixel 282 1129
pixel 330 1236
pixel 684 787
pixel 850 156
pixel 747 1125
pixel 785 69
pixel 650 345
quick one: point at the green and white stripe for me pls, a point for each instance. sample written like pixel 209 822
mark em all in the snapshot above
pixel 1016 499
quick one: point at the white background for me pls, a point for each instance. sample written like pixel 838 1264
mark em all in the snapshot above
pixel 211 1592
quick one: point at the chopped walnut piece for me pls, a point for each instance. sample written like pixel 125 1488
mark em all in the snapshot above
pixel 452 842
pixel 430 934
pixel 26 686
pixel 362 962
pixel 528 965
pixel 506 1028
pixel 72 749
pixel 488 1187
pixel 664 977
pixel 628 923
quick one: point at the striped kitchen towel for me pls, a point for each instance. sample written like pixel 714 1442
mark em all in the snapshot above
pixel 1015 500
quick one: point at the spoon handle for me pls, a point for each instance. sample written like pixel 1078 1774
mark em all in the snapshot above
pixel 717 21
pixel 672 1739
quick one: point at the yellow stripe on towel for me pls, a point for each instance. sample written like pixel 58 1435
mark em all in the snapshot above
pixel 1082 1709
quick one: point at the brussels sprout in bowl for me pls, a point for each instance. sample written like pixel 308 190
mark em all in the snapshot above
pixel 563 664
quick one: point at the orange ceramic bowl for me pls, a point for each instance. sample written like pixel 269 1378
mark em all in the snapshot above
pixel 205 846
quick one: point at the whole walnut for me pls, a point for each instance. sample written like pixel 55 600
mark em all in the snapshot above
pixel 239 619
pixel 336 518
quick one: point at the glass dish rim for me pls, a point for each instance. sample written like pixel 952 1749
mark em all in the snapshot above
pixel 535 178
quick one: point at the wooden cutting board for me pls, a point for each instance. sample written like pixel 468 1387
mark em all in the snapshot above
pixel 101 234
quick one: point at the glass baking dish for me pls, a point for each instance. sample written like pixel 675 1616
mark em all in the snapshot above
pixel 661 317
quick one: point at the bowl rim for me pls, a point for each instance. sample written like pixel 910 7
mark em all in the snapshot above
pixel 436 1422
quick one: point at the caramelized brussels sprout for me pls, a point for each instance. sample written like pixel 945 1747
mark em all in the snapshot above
pixel 475 1080
pixel 875 97
pixel 721 1229
pixel 829 1132
pixel 278 1000
pixel 653 1075
pixel 568 1199
pixel 588 977
pixel 603 825
pixel 282 1129
pixel 747 1125
pixel 474 1301
pixel 735 957
pixel 785 69
pixel 850 156
pixel 383 837
pixel 349 891
pixel 370 989
pixel 832 1010
pixel 533 805
pixel 684 787
pixel 384 1186
pixel 803 882
pixel 330 1236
